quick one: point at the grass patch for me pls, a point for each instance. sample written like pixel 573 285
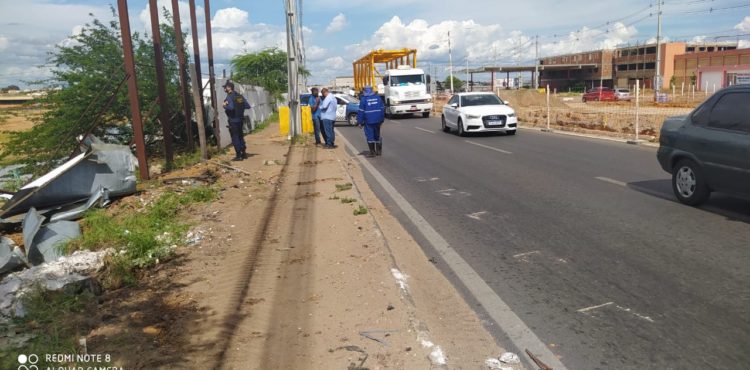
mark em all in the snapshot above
pixel 302 139
pixel 344 187
pixel 187 159
pixel 47 324
pixel 142 238
pixel 346 200
pixel 361 210
pixel 274 117
pixel 334 197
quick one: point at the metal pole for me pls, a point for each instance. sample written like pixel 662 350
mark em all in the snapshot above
pixel 536 64
pixel 211 80
pixel 161 86
pixel 467 73
pixel 657 77
pixel 548 108
pixel 135 108
pixel 182 61
pixel 450 59
pixel 291 69
pixel 198 100
pixel 637 107
pixel 196 60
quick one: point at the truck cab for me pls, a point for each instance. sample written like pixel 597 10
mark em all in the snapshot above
pixel 404 91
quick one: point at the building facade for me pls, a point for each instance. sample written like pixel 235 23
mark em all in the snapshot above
pixel 712 70
pixel 576 71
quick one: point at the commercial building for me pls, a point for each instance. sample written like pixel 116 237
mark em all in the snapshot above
pixel 344 83
pixel 712 70
pixel 577 71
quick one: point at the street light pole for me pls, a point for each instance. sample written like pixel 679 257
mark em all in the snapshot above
pixel 450 59
pixel 657 78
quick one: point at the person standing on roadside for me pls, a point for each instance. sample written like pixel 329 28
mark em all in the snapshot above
pixel 314 103
pixel 234 106
pixel 328 115
pixel 371 115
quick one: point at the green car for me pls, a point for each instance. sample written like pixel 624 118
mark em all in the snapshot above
pixel 709 149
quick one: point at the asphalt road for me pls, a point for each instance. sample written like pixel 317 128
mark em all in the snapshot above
pixel 583 239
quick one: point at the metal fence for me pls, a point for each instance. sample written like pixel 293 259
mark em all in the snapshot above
pixel 259 99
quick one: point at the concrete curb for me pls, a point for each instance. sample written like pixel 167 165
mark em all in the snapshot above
pixel 589 136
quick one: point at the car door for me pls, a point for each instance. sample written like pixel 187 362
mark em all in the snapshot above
pixel 724 148
pixel 340 109
pixel 450 113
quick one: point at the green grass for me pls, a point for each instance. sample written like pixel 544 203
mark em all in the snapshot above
pixel 361 210
pixel 346 200
pixel 274 117
pixel 187 159
pixel 343 187
pixel 334 197
pixel 142 238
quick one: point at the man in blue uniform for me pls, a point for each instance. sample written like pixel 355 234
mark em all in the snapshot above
pixel 314 103
pixel 371 115
pixel 234 106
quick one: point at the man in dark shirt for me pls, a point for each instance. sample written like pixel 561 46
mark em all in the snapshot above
pixel 234 106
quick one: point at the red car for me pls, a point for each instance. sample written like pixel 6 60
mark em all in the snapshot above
pixel 600 94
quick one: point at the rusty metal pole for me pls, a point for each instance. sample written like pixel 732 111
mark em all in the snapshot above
pixel 197 58
pixel 135 107
pixel 182 61
pixel 210 51
pixel 161 86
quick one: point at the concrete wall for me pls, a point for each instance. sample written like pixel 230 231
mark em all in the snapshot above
pixel 259 99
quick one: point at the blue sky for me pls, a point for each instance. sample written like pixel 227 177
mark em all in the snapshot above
pixel 337 32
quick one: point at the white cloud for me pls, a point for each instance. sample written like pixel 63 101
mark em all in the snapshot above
pixel 337 23
pixel 744 25
pixel 230 18
pixel 145 15
pixel 335 63
pixel 77 30
pixel 3 43
pixel 314 53
pixel 743 44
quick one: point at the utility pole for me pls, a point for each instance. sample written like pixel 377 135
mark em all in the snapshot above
pixel 197 61
pixel 292 68
pixel 536 63
pixel 161 85
pixel 211 80
pixel 450 59
pixel 467 73
pixel 182 61
pixel 135 107
pixel 657 77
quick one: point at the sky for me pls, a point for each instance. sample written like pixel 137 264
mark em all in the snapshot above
pixel 337 32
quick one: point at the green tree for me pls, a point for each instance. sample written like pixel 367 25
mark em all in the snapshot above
pixel 457 84
pixel 90 67
pixel 266 68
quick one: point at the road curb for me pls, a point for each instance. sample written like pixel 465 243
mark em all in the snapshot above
pixel 590 136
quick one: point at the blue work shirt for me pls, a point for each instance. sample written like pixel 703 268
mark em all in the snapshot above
pixel 235 100
pixel 328 108
pixel 311 102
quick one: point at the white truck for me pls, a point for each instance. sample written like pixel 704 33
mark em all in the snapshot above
pixel 402 85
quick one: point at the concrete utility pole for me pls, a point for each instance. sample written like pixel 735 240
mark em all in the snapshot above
pixel 467 73
pixel 198 99
pixel 211 80
pixel 196 59
pixel 135 107
pixel 182 61
pixel 536 63
pixel 657 77
pixel 450 59
pixel 292 68
pixel 161 86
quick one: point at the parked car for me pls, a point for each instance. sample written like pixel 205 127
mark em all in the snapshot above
pixel 304 99
pixel 348 106
pixel 478 112
pixel 622 94
pixel 709 149
pixel 599 94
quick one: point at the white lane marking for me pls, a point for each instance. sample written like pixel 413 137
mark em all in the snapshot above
pixel 394 121
pixel 488 147
pixel 425 130
pixel 526 254
pixel 582 310
pixel 422 179
pixel 518 332
pixel 477 215
pixel 612 181
pixel 642 317
pixel 446 190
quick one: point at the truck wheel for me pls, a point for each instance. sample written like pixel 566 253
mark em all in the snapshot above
pixel 688 183
pixel 425 114
pixel 351 119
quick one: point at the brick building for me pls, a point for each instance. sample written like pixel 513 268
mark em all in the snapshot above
pixel 577 70
pixel 712 70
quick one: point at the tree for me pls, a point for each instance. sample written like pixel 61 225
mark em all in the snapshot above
pixel 266 68
pixel 457 83
pixel 90 67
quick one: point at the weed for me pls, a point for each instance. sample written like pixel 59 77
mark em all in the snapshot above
pixel 334 197
pixel 301 140
pixel 274 117
pixel 343 187
pixel 362 210
pixel 187 159
pixel 346 200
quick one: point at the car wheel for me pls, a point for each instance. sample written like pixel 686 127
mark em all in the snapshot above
pixel 688 183
pixel 351 119
pixel 583 99
pixel 445 126
pixel 425 114
pixel 511 132
pixel 460 128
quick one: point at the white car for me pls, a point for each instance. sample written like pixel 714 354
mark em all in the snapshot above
pixel 622 94
pixel 478 112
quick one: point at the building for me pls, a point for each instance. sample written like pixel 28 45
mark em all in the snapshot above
pixel 345 83
pixel 712 70
pixel 577 71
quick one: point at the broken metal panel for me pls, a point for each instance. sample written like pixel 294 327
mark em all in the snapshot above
pixel 31 225
pixel 107 166
pixel 10 255
pixel 99 199
pixel 47 243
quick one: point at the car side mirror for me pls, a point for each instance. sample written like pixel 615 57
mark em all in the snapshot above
pixel 454 105
pixel 506 102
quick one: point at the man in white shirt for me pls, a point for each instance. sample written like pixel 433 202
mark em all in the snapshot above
pixel 328 116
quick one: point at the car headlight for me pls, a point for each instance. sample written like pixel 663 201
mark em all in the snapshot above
pixel 471 116
pixel 395 101
pixel 429 99
pixel 512 115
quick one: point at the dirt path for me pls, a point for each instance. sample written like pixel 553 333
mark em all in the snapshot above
pixel 287 277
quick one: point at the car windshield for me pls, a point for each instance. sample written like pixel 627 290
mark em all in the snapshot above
pixel 407 80
pixel 484 99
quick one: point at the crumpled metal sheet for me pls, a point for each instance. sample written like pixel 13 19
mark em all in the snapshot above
pixel 103 166
pixel 43 243
pixel 10 255
pixel 99 199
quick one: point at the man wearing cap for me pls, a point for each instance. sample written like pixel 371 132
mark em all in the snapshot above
pixel 234 106
pixel 371 115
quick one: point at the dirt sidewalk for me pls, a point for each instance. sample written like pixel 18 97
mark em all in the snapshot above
pixel 288 277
